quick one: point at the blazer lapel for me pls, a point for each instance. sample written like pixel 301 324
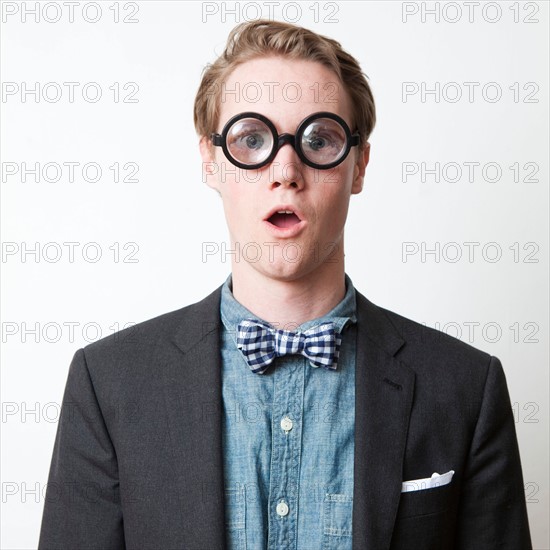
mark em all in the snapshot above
pixel 383 399
pixel 192 387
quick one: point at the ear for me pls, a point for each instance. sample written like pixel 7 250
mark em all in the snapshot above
pixel 210 167
pixel 359 169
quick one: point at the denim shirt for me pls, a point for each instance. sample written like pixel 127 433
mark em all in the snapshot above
pixel 288 440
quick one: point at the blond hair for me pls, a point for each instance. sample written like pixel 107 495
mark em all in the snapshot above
pixel 263 37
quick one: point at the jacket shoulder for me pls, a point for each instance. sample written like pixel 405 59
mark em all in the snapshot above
pixel 139 341
pixel 421 336
pixel 429 352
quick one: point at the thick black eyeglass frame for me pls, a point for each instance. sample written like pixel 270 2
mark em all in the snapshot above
pixel 220 140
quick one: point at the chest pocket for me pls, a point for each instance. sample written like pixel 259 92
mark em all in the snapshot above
pixel 337 521
pixel 235 514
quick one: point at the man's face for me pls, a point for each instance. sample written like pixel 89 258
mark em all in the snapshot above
pixel 285 247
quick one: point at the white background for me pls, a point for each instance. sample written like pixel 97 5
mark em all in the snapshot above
pixel 169 212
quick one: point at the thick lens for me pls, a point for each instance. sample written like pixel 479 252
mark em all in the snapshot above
pixel 324 141
pixel 249 141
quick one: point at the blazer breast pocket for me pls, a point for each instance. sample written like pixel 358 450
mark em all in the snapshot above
pixel 426 519
pixel 427 501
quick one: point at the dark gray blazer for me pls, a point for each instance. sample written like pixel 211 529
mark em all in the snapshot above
pixel 137 461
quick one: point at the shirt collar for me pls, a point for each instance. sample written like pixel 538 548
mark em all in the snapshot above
pixel 233 312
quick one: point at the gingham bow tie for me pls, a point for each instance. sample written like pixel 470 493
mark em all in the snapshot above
pixel 261 343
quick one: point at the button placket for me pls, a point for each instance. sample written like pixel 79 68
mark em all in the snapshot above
pixel 286 452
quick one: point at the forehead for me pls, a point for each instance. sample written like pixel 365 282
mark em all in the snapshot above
pixel 285 90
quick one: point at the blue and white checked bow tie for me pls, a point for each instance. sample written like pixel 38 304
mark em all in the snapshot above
pixel 261 343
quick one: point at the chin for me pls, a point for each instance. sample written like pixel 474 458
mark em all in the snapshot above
pixel 283 270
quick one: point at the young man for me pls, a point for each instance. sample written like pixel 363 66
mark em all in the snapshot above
pixel 285 410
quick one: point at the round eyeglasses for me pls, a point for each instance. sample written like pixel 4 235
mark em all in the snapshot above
pixel 250 140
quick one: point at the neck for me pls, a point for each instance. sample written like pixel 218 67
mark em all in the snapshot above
pixel 289 303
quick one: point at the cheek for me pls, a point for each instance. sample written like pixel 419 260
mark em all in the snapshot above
pixel 235 206
pixel 333 198
pixel 240 206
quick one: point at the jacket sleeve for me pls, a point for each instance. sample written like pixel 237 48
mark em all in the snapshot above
pixel 82 503
pixel 492 508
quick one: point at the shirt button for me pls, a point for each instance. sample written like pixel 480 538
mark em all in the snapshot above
pixel 286 424
pixel 282 508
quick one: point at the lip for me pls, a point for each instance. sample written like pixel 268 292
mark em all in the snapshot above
pixel 285 207
pixel 285 231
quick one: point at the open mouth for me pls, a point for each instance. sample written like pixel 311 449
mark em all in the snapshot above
pixel 284 218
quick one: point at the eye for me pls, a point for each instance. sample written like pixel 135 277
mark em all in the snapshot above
pixel 322 141
pixel 249 141
pixel 252 141
pixel 248 136
pixel 316 143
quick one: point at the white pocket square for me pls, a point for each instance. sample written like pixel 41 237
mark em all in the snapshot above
pixel 437 480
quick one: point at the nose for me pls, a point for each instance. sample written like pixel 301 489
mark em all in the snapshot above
pixel 286 168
